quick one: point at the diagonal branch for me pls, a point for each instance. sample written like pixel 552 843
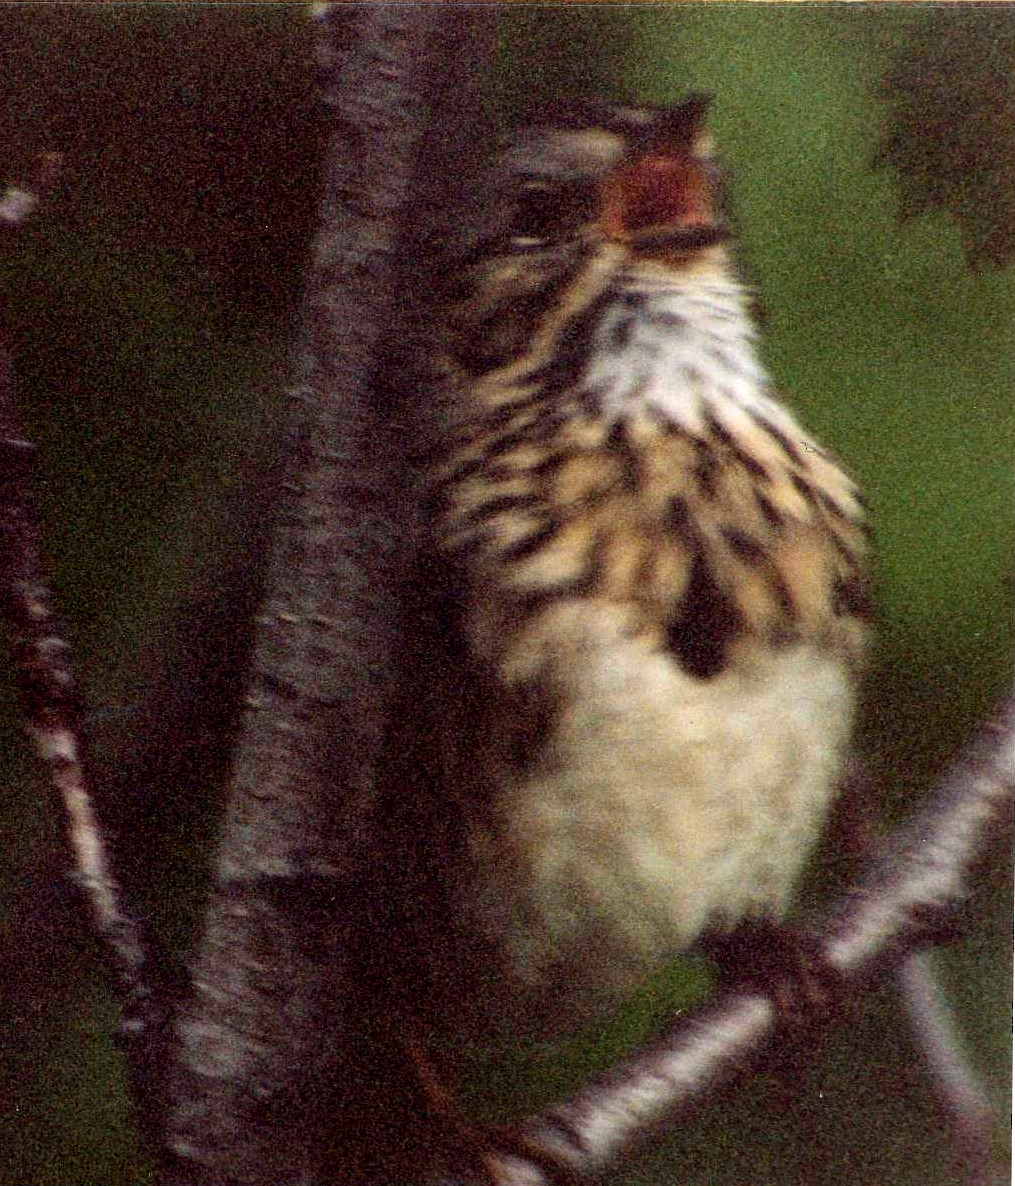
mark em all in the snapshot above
pixel 910 890
pixel 45 678
pixel 963 1099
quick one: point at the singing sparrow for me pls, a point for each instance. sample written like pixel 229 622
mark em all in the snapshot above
pixel 640 613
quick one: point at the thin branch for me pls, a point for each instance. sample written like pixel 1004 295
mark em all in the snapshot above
pixel 965 1106
pixel 909 891
pixel 18 205
pixel 962 1098
pixel 44 673
pixel 41 654
pixel 922 874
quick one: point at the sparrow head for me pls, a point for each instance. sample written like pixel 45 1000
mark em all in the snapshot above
pixel 594 190
pixel 641 178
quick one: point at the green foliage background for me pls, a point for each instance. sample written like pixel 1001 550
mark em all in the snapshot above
pixel 152 311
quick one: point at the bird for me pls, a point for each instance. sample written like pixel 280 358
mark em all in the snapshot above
pixel 641 609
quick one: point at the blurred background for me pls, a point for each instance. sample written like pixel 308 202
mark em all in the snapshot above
pixel 153 308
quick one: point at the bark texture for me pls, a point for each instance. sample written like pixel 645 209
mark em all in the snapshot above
pixel 271 1039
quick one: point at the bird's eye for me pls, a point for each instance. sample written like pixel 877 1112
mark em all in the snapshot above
pixel 545 212
pixel 536 214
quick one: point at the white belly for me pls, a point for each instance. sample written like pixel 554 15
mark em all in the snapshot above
pixel 667 804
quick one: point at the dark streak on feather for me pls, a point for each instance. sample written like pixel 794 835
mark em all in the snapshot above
pixel 831 506
pixel 523 548
pixel 463 470
pixel 704 626
pixel 803 488
pixel 621 331
pixel 706 470
pixel 851 597
pixel 751 552
pixel 845 550
pixel 476 541
pixel 768 511
pixel 618 441
pixel 635 301
pixel 745 546
pixel 671 321
pixel 721 433
pixel 497 505
pixel 682 523
pixel 783 441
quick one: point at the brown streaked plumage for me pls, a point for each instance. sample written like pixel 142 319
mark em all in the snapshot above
pixel 644 593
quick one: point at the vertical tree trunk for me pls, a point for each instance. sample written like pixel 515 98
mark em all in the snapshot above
pixel 273 1034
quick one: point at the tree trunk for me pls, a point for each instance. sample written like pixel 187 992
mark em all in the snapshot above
pixel 274 1052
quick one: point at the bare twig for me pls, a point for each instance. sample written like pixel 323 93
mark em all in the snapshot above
pixel 17 205
pixel 45 678
pixel 922 874
pixel 966 1111
pixel 911 889
pixel 962 1097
